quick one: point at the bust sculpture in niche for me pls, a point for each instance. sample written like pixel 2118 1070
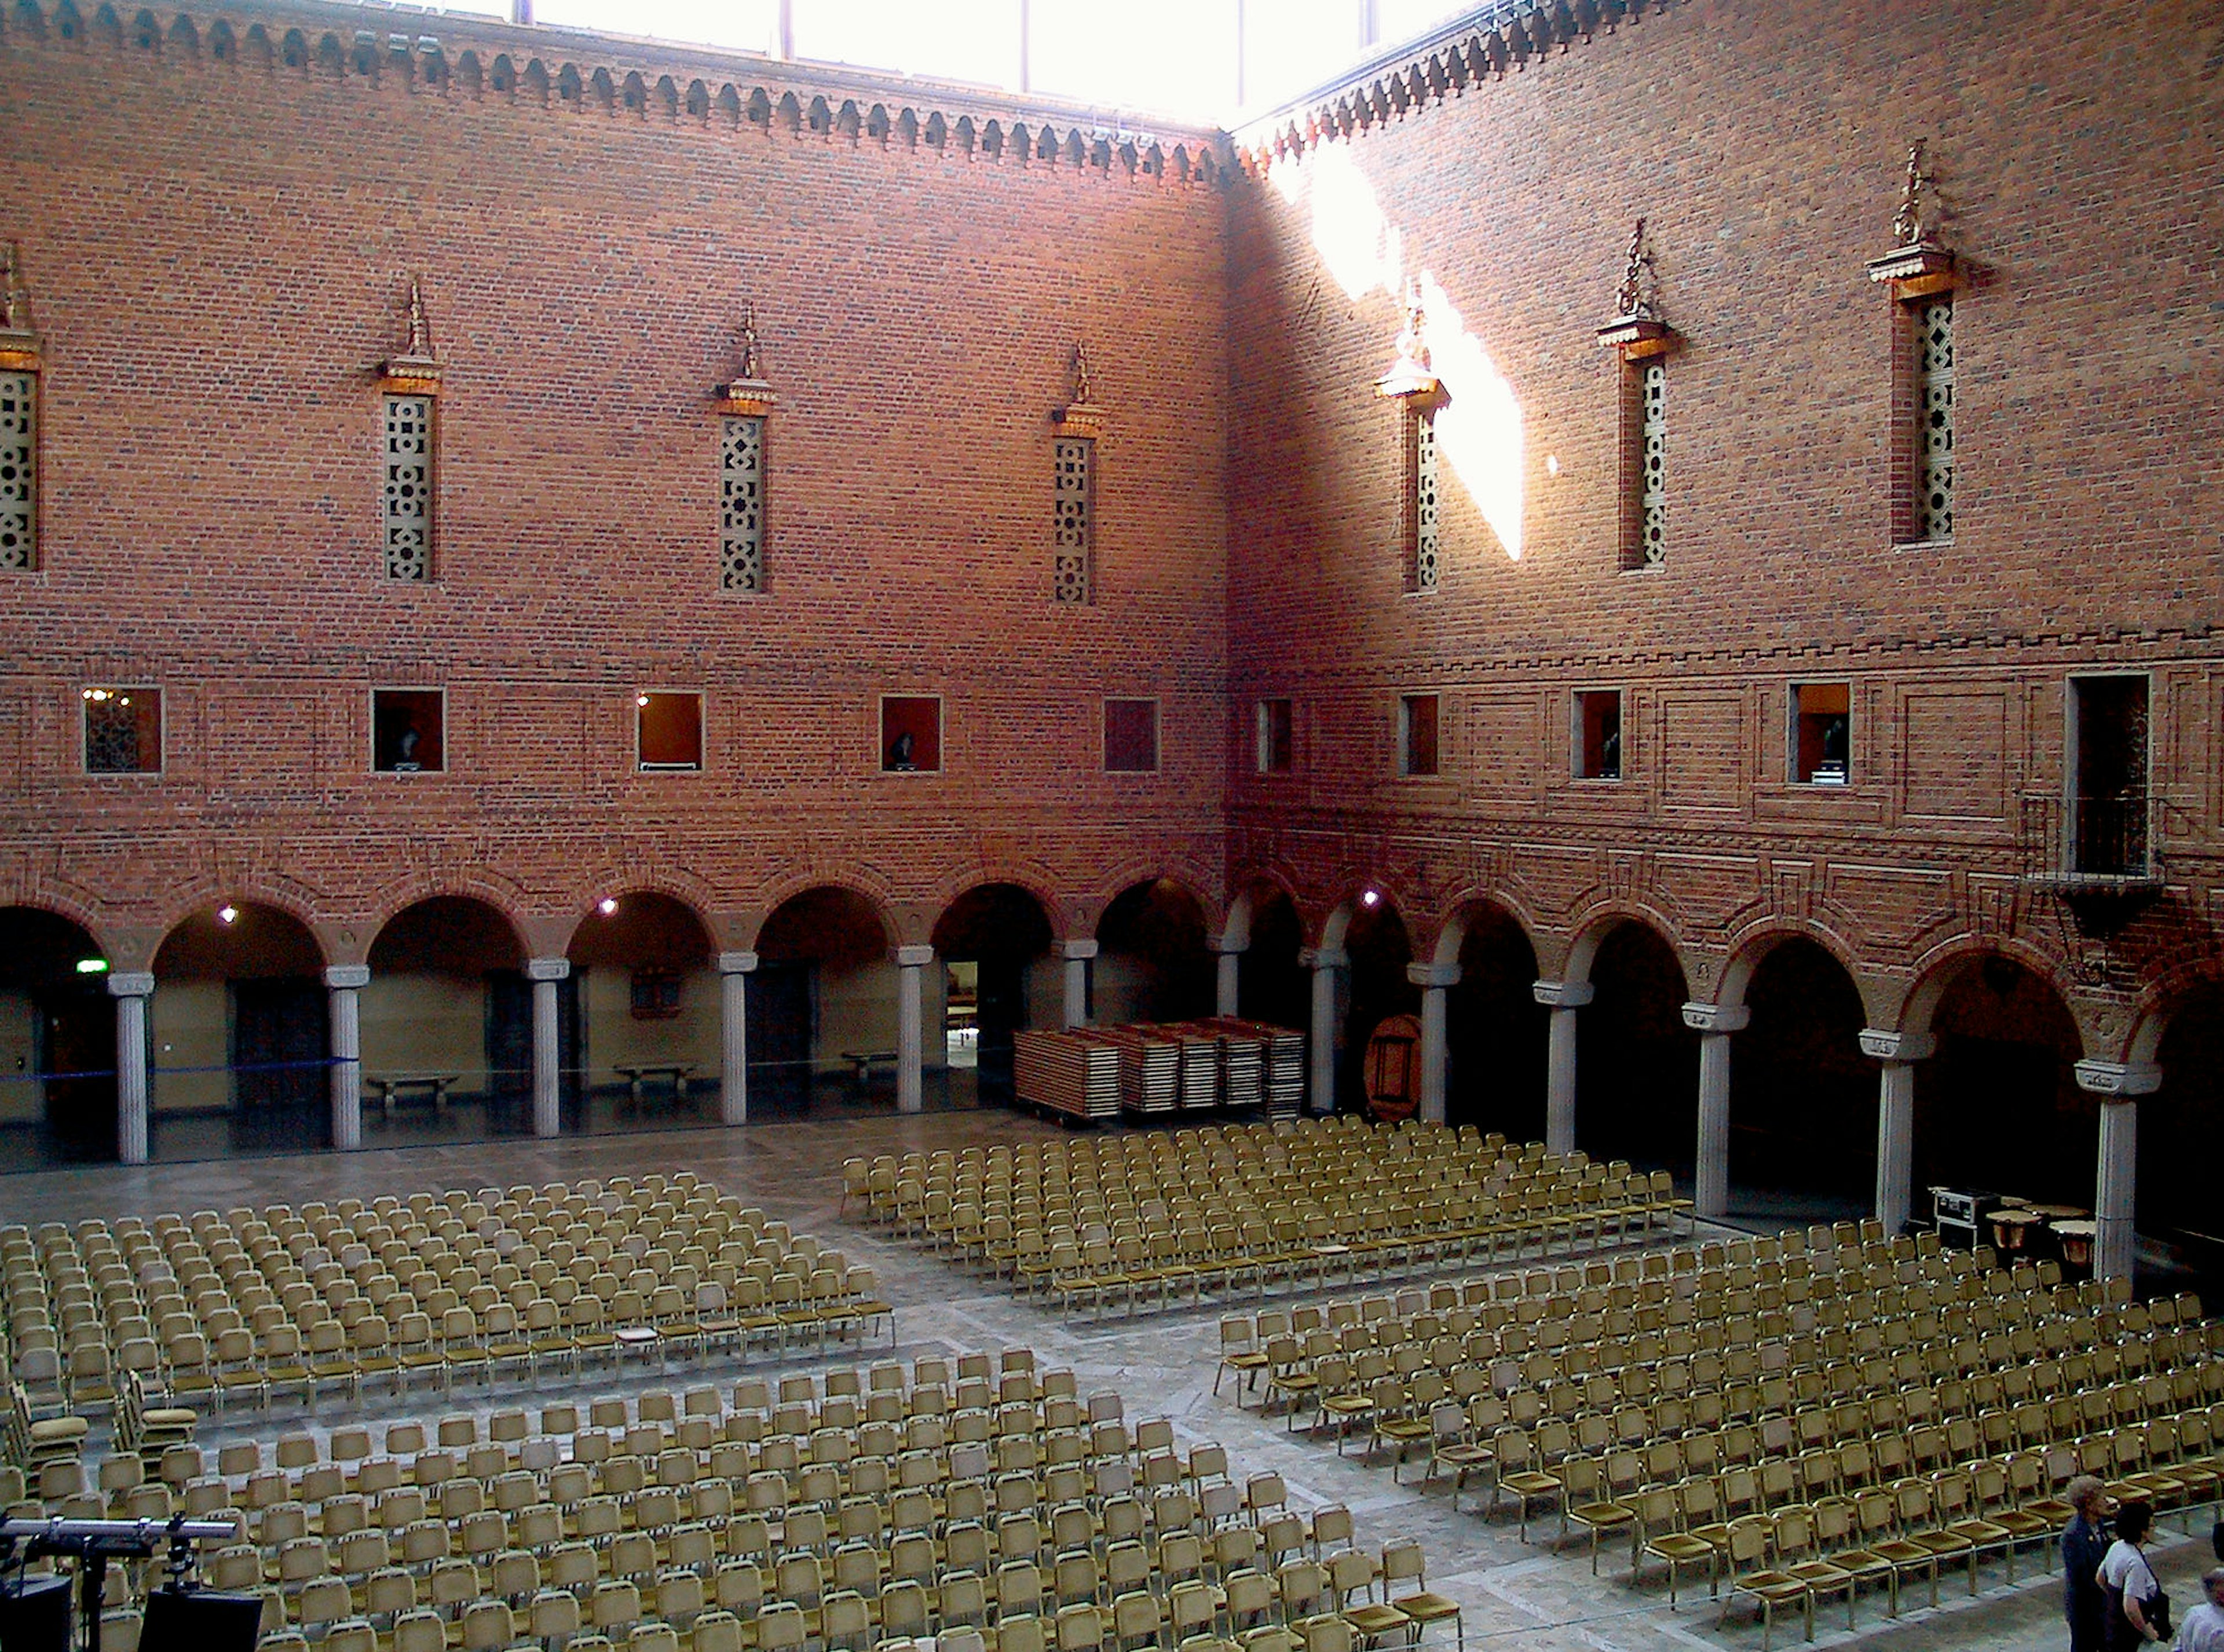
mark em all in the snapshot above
pixel 405 752
pixel 899 750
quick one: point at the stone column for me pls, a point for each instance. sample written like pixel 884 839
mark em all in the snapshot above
pixel 1434 980
pixel 1714 1022
pixel 1077 954
pixel 2114 1198
pixel 1563 999
pixel 1324 962
pixel 131 990
pixel 1228 959
pixel 342 982
pixel 1895 1173
pixel 734 970
pixel 547 1048
pixel 910 1090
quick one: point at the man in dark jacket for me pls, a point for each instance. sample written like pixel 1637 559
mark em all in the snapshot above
pixel 2083 1545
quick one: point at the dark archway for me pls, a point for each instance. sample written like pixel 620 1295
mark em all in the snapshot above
pixel 1379 949
pixel 1637 1065
pixel 448 997
pixel 1998 1106
pixel 57 1020
pixel 2176 1195
pixel 241 1026
pixel 1803 1096
pixel 1151 962
pixel 1496 1030
pixel 649 1037
pixel 824 984
pixel 1271 984
pixel 989 938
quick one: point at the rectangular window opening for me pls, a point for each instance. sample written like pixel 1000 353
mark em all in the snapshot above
pixel 1931 515
pixel 669 730
pixel 122 730
pixel 1074 504
pixel 1598 734
pixel 1421 541
pixel 1822 733
pixel 407 731
pixel 1416 734
pixel 911 734
pixel 408 501
pixel 1645 444
pixel 2108 834
pixel 1131 736
pixel 19 472
pixel 1275 755
pixel 740 506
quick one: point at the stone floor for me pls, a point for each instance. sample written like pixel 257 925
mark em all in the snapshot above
pixel 1515 1594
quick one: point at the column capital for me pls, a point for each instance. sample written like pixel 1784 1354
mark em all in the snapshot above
pixel 131 984
pixel 736 963
pixel 347 977
pixel 1074 951
pixel 1433 975
pixel 548 969
pixel 1222 946
pixel 1562 995
pixel 911 958
pixel 1897 1047
pixel 1323 958
pixel 1717 1017
pixel 2118 1080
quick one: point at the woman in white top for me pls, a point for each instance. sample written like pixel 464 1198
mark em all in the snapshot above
pixel 2130 1582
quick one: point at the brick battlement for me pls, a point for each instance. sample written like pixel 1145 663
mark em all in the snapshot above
pixel 578 71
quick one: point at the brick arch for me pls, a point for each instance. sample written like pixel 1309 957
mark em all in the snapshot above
pixel 505 897
pixel 1941 967
pixel 1243 903
pixel 1451 927
pixel 2161 998
pixel 1751 945
pixel 68 911
pixel 201 891
pixel 875 898
pixel 946 890
pixel 1187 877
pixel 1600 922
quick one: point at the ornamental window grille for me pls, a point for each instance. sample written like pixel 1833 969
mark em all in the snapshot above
pixel 740 506
pixel 1074 463
pixel 1421 567
pixel 1934 453
pixel 1652 464
pixel 19 469
pixel 410 488
pixel 122 730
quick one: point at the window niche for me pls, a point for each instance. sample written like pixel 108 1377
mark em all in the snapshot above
pixel 408 729
pixel 1597 731
pixel 2108 782
pixel 409 390
pixel 1131 736
pixel 1822 733
pixel 745 406
pixel 123 729
pixel 668 731
pixel 911 734
pixel 1417 717
pixel 1922 276
pixel 1075 429
pixel 1274 752
pixel 19 421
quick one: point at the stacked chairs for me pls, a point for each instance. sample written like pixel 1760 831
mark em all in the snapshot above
pixel 980 1498
pixel 281 1306
pixel 1806 1415
pixel 1145 1220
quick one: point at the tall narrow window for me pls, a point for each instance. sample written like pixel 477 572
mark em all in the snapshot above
pixel 740 506
pixel 1131 736
pixel 2109 776
pixel 1421 451
pixel 1934 446
pixel 1274 752
pixel 1649 505
pixel 19 470
pixel 1416 734
pixel 409 487
pixel 122 730
pixel 1074 463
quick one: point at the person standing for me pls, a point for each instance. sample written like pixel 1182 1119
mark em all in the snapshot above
pixel 2084 1545
pixel 2137 1614
pixel 2203 1631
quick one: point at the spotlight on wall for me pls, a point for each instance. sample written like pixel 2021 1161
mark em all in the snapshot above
pixel 227 914
pixel 606 906
pixel 1370 898
pixel 640 701
pixel 92 967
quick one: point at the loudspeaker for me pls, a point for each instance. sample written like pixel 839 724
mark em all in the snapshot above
pixel 36 1619
pixel 200 1622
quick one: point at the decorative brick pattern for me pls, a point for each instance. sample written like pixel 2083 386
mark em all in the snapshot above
pixel 409 487
pixel 740 506
pixel 19 470
pixel 1074 461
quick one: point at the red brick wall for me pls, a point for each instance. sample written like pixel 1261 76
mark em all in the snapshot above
pixel 1764 145
pixel 218 253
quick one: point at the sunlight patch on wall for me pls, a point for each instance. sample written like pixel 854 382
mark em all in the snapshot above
pixel 1479 426
pixel 1359 245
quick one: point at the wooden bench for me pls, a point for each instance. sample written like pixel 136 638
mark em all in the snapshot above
pixel 677 1072
pixel 863 1060
pixel 394 1088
